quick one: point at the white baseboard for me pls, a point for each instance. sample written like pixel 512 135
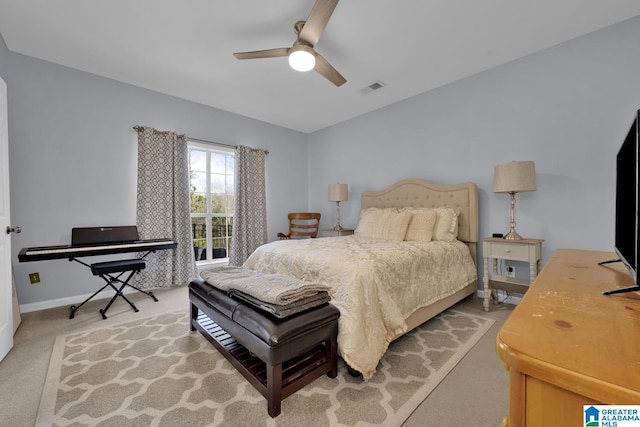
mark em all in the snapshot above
pixel 61 302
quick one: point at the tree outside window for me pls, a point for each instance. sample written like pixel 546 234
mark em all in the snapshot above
pixel 211 171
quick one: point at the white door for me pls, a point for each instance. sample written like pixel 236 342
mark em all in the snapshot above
pixel 6 303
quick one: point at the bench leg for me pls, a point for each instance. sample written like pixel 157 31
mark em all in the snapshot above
pixel 331 346
pixel 274 389
pixel 119 293
pixel 194 316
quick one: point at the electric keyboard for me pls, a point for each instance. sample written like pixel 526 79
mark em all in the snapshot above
pixel 44 253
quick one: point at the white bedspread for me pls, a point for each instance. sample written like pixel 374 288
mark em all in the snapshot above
pixel 376 284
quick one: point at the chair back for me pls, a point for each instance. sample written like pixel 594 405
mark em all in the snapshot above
pixel 302 224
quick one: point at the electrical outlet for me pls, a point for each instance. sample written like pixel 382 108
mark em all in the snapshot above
pixel 511 271
pixel 34 278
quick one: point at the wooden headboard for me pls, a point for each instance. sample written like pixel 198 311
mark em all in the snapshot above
pixel 462 197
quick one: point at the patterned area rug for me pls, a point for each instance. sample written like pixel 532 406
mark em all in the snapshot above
pixel 154 372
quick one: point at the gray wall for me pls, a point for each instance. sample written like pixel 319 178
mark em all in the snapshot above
pixel 72 151
pixel 4 54
pixel 567 108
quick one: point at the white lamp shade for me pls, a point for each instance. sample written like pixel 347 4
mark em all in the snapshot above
pixel 301 58
pixel 338 192
pixel 514 177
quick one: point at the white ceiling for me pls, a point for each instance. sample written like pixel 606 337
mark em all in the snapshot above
pixel 184 48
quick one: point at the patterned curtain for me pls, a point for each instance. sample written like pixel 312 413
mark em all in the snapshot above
pixel 250 208
pixel 163 206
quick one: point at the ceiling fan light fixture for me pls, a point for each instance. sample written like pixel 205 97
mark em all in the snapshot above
pixel 301 58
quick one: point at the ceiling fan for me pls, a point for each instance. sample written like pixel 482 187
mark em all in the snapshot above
pixel 302 56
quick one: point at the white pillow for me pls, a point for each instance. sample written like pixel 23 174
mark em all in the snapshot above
pixel 421 225
pixel 389 224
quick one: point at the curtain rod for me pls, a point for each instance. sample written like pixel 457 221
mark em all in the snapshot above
pixel 212 142
pixel 136 128
pixel 224 145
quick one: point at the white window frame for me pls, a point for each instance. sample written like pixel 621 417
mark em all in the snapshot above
pixel 209 148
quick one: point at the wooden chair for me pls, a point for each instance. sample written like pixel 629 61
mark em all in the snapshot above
pixel 302 224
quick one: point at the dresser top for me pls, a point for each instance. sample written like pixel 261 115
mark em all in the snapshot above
pixel 566 332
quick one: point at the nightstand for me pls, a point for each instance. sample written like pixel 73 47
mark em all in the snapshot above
pixel 330 232
pixel 526 250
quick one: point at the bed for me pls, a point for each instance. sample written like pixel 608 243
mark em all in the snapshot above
pixel 383 285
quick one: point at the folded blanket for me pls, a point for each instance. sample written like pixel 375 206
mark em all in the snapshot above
pixel 282 311
pixel 271 288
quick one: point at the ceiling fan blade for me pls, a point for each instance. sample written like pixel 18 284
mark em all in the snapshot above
pixel 323 67
pixel 317 21
pixel 269 53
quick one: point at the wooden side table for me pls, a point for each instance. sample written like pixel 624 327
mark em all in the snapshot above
pixel 526 250
pixel 330 232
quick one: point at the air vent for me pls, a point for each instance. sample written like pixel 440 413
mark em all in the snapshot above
pixel 373 87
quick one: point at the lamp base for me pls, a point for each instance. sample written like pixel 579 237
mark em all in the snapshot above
pixel 338 227
pixel 512 235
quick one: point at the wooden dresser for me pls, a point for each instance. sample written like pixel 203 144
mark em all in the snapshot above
pixel 567 345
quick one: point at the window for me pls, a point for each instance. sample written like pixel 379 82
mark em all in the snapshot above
pixel 211 174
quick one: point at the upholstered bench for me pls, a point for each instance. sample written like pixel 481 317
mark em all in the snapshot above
pixel 277 356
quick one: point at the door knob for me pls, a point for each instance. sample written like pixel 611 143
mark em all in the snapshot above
pixel 13 230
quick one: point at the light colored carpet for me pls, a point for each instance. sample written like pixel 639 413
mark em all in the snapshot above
pixel 155 372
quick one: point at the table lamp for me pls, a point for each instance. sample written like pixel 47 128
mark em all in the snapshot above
pixel 512 178
pixel 338 193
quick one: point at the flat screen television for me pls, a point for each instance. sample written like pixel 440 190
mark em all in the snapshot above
pixel 627 231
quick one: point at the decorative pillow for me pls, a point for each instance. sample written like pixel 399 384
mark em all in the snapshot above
pixel 386 224
pixel 421 226
pixel 446 227
pixel 368 223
